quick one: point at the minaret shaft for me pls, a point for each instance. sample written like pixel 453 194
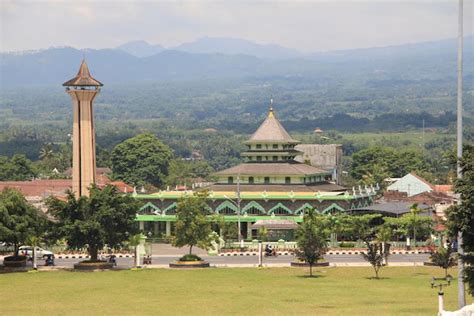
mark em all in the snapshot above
pixel 83 160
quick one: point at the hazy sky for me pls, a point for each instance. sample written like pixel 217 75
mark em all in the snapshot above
pixel 303 25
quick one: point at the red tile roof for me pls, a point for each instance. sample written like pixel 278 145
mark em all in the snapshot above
pixel 58 187
pixel 444 188
pixel 39 187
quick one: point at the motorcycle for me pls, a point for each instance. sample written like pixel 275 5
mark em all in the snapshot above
pixel 113 260
pixel 49 261
pixel 270 252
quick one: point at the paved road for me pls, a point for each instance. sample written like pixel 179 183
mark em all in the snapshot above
pixel 253 260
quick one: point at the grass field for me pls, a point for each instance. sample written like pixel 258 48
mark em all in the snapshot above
pixel 277 291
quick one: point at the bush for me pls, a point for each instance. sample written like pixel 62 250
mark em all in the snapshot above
pixel 189 257
pixel 347 245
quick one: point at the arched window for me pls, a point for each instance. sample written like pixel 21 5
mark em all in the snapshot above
pixel 171 209
pixel 333 208
pixel 253 208
pixel 280 209
pixel 149 208
pixel 227 211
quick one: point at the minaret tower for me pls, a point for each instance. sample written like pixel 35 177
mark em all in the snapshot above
pixel 83 89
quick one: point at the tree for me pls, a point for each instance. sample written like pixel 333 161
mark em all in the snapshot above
pixel 19 220
pixel 47 152
pixel 262 233
pixel 374 164
pixel 414 220
pixel 229 230
pixel 311 239
pixel 444 258
pixel 363 227
pixel 182 172
pixel 134 241
pixel 461 216
pixel 384 236
pixel 34 242
pixel 375 256
pixel 192 225
pixel 107 217
pixel 17 168
pixel 141 159
pixel 411 224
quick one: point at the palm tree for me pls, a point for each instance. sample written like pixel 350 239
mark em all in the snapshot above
pixel 135 242
pixel 34 242
pixel 47 151
pixel 414 211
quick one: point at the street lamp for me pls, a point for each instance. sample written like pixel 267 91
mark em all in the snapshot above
pixel 237 204
pixel 438 283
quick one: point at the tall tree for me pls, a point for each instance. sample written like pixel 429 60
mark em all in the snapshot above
pixel 192 226
pixel 373 164
pixel 16 168
pixel 411 224
pixel 19 220
pixel 461 216
pixel 311 238
pixel 141 159
pixel 107 217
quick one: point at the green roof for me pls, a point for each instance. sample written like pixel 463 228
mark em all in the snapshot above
pixel 221 195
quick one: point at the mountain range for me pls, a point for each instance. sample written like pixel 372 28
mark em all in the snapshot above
pixel 140 62
pixel 214 45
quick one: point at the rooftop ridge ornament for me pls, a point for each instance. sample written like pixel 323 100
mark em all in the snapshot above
pixel 271 114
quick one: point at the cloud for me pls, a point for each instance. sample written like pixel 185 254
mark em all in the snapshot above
pixel 304 25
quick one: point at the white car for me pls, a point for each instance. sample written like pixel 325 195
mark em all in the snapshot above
pixel 28 251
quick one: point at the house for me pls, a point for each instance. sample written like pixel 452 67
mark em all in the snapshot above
pixel 411 184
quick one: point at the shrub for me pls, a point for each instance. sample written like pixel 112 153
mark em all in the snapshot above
pixel 190 257
pixel 347 244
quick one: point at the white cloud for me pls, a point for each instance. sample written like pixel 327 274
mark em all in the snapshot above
pixel 304 25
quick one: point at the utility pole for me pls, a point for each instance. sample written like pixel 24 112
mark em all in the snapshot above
pixel 461 288
pixel 423 139
pixel 238 211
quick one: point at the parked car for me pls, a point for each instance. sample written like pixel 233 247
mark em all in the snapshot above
pixel 40 252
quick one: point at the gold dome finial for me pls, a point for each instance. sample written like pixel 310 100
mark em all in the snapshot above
pixel 270 110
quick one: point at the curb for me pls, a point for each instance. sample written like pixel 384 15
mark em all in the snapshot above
pixel 356 252
pixel 87 256
pixel 232 254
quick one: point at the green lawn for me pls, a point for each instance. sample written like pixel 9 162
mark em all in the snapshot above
pixel 276 291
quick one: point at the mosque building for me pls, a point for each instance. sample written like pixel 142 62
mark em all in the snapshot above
pixel 270 185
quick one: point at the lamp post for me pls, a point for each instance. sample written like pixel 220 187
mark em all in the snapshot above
pixel 438 283
pixel 237 204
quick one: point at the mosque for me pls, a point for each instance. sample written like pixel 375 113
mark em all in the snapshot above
pixel 270 185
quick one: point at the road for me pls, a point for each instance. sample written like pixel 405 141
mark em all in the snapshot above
pixel 253 260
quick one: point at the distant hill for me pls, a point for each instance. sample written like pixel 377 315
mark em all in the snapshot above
pixel 232 46
pixel 141 48
pixel 403 64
